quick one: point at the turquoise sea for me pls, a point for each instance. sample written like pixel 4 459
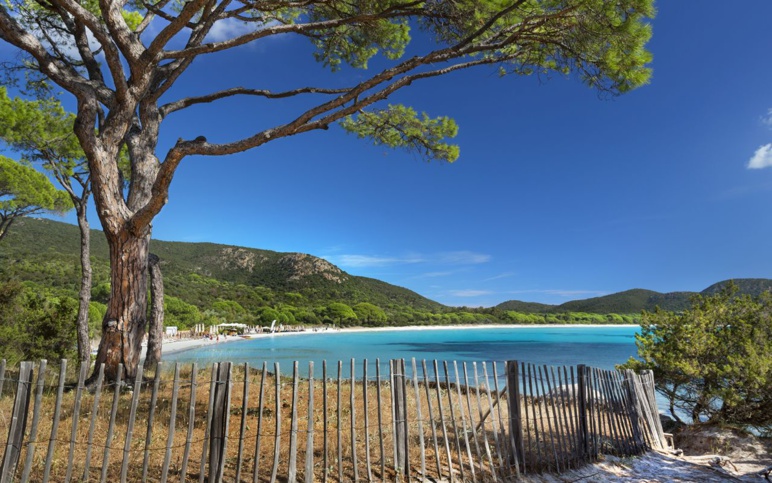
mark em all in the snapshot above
pixel 597 346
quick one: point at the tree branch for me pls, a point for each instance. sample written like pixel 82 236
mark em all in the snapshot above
pixel 235 91
pixel 174 27
pixel 58 71
pixel 151 13
pixel 112 56
pixel 124 38
pixel 280 29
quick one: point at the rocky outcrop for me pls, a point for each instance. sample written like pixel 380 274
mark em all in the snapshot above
pixel 300 265
pixel 239 258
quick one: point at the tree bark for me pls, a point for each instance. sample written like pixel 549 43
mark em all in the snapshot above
pixel 124 324
pixel 5 224
pixel 156 323
pixel 84 341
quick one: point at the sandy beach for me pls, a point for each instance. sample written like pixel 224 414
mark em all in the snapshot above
pixel 171 346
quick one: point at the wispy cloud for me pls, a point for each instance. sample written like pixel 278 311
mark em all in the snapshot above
pixel 469 293
pixel 360 261
pixel 767 119
pixel 228 29
pixel 561 292
pixel 436 274
pixel 740 191
pixel 762 158
pixel 499 277
pixel 443 258
pixel 463 258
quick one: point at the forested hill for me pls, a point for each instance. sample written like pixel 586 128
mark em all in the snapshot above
pixel 636 300
pixel 751 286
pixel 208 282
pixel 46 252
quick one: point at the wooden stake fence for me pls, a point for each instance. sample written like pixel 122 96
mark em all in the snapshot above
pixel 419 423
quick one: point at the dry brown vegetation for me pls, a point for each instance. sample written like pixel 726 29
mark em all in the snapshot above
pixel 444 428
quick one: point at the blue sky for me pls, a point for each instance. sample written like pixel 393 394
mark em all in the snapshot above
pixel 558 194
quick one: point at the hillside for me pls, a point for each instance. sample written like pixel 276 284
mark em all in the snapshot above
pixel 629 302
pixel 636 300
pixel 45 252
pixel 207 279
pixel 526 307
pixel 750 286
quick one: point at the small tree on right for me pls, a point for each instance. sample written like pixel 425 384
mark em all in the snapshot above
pixel 713 362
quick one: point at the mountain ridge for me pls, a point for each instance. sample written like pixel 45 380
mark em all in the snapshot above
pixel 637 299
pixel 280 276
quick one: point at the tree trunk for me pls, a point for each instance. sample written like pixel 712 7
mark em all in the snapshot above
pixel 84 341
pixel 156 325
pixel 124 324
pixel 5 224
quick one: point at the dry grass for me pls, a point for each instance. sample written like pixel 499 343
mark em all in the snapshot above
pixel 338 465
pixel 434 442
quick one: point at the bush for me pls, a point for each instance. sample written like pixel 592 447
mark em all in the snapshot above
pixel 714 360
pixel 34 327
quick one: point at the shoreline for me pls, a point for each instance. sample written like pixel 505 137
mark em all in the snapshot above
pixel 179 345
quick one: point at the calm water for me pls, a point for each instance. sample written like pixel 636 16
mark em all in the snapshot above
pixel 594 346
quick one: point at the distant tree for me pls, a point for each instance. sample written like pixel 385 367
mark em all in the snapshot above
pixel 307 316
pixel 120 60
pixel 101 293
pixel 714 360
pixel 180 313
pixel 230 309
pixel 340 312
pixel 24 191
pixel 43 132
pixel 369 314
pixel 35 326
pixel 266 315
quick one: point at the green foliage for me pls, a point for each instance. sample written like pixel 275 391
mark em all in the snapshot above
pixel 266 315
pixel 746 286
pixel 38 129
pixel 714 360
pixel 229 309
pixel 25 191
pixel 627 302
pixel 400 127
pixel 356 43
pixel 42 131
pixel 204 285
pixel 34 326
pixel 340 313
pixel 96 313
pixel 369 314
pixel 101 292
pixel 603 42
pixel 180 313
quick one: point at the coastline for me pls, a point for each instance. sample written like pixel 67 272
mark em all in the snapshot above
pixel 179 345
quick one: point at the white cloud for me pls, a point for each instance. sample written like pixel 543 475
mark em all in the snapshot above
pixel 445 258
pixel 359 261
pixel 469 293
pixel 463 258
pixel 762 158
pixel 562 293
pixel 500 276
pixel 767 119
pixel 436 274
pixel 228 29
